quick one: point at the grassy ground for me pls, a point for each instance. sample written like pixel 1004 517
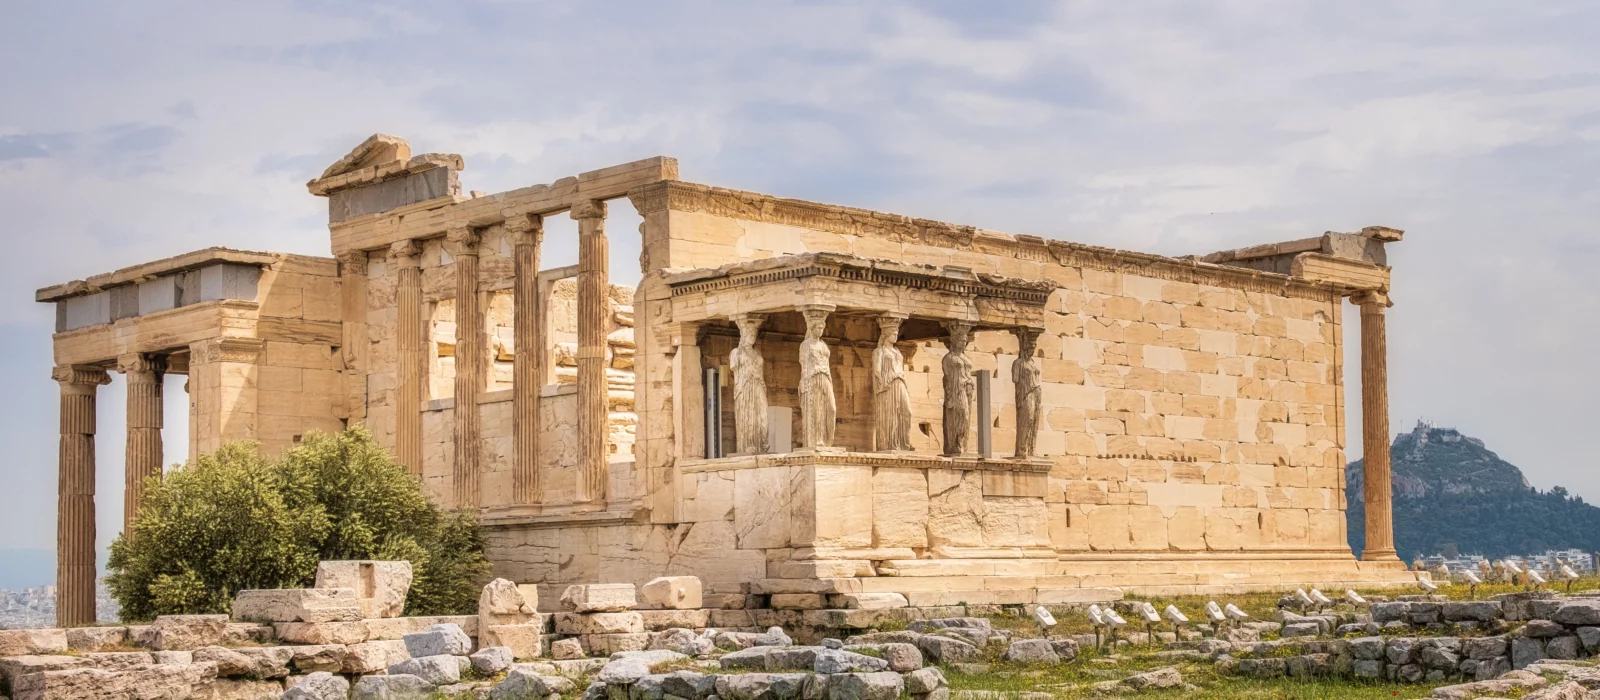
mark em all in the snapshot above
pixel 1076 679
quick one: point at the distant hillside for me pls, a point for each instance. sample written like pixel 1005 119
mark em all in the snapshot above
pixel 1452 494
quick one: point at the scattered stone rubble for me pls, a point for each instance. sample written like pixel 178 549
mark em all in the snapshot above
pixel 345 640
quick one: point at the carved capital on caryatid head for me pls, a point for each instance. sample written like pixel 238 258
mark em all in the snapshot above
pixel 889 327
pixel 462 241
pixel 80 376
pixel 960 335
pixel 1371 300
pixel 589 209
pixel 525 229
pixel 1027 340
pixel 816 316
pixel 404 253
pixel 749 326
pixel 352 262
pixel 141 363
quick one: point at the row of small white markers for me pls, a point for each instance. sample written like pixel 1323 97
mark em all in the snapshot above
pixel 1532 577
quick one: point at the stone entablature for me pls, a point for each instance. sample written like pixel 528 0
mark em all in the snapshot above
pixel 912 394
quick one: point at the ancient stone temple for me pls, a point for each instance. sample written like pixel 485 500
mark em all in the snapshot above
pixel 798 398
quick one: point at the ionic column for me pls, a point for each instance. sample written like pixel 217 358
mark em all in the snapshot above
pixel 472 347
pixel 526 233
pixel 75 548
pixel 960 389
pixel 594 322
pixel 1375 427
pixel 145 405
pixel 409 336
pixel 1025 375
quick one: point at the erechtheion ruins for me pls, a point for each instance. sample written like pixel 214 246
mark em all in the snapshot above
pixel 798 398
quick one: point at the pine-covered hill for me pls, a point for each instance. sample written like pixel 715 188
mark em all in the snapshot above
pixel 1451 494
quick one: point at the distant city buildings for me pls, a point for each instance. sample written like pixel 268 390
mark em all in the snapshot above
pixel 1581 561
pixel 36 607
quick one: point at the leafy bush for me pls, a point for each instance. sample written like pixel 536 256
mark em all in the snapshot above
pixel 233 521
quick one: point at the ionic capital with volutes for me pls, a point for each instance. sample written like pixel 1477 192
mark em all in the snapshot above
pixel 589 209
pixel 1372 298
pixel 525 229
pixel 463 241
pixel 404 253
pixel 141 363
pixel 80 375
pixel 352 262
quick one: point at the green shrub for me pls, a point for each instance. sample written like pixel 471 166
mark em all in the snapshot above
pixel 233 521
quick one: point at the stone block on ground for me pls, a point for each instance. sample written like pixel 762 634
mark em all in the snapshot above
pixel 830 661
pixel 519 684
pixel 440 669
pixel 320 657
pixel 523 640
pixel 33 641
pixel 598 623
pixel 491 660
pixel 12 667
pixel 502 603
pixel 374 656
pixel 391 687
pixel 658 620
pixel 187 632
pixel 254 662
pixel 882 685
pixel 868 601
pixel 1160 678
pixel 1578 612
pixel 564 649
pixel 945 650
pixel 674 592
pixel 380 586
pixel 242 633
pixel 153 681
pixel 245 689
pixel 608 644
pixel 319 686
pixel 442 639
pixel 94 638
pixel 600 597
pixel 1032 651
pixel 297 605
pixel 799 601
pixel 321 632
pixel 923 681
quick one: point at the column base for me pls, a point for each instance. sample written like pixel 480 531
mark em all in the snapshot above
pixel 1379 555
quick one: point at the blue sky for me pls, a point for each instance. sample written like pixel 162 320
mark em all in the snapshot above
pixel 134 131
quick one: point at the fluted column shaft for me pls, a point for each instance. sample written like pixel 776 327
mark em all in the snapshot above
pixel 143 459
pixel 471 351
pixel 594 323
pixel 527 363
pixel 75 535
pixel 410 337
pixel 1376 489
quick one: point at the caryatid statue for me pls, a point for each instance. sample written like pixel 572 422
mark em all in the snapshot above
pixel 960 388
pixel 891 401
pixel 817 409
pixel 1025 375
pixel 749 388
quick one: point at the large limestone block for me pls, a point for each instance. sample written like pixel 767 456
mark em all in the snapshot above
pixel 674 592
pixel 899 507
pixel 33 641
pixel 955 508
pixel 502 603
pixel 381 586
pixel 599 623
pixel 523 640
pixel 246 689
pixel 441 639
pixel 600 597
pixel 321 632
pixel 96 638
pixel 374 656
pixel 14 667
pixel 187 632
pixel 297 605
pixel 194 680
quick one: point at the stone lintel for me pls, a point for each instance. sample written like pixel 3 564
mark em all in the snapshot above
pixel 868 459
pixel 177 263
